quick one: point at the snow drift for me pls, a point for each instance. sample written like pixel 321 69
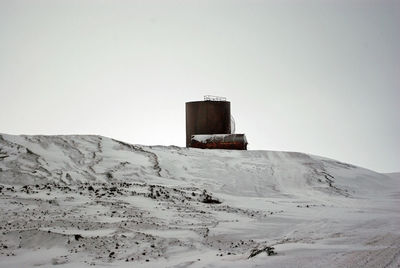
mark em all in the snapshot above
pixel 87 200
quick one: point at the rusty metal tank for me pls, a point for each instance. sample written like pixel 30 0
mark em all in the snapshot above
pixel 207 117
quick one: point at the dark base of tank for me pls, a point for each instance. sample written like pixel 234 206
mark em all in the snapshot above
pixel 227 146
pixel 226 141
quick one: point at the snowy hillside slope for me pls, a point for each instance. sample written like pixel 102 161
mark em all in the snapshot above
pixel 92 200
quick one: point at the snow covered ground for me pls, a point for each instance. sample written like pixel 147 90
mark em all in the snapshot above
pixel 80 201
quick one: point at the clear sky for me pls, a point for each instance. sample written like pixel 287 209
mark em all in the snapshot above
pixel 320 77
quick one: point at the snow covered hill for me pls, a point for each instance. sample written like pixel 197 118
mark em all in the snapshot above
pixel 91 200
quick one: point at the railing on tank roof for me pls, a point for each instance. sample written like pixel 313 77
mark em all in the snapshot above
pixel 213 98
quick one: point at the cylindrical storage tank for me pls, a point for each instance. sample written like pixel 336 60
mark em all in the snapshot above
pixel 207 117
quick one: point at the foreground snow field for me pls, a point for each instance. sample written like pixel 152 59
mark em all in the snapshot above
pixel 82 201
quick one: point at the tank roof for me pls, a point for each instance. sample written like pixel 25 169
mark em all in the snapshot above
pixel 207 101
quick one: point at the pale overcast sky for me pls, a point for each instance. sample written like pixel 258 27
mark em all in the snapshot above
pixel 320 77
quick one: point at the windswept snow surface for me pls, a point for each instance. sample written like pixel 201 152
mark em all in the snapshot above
pixel 80 201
